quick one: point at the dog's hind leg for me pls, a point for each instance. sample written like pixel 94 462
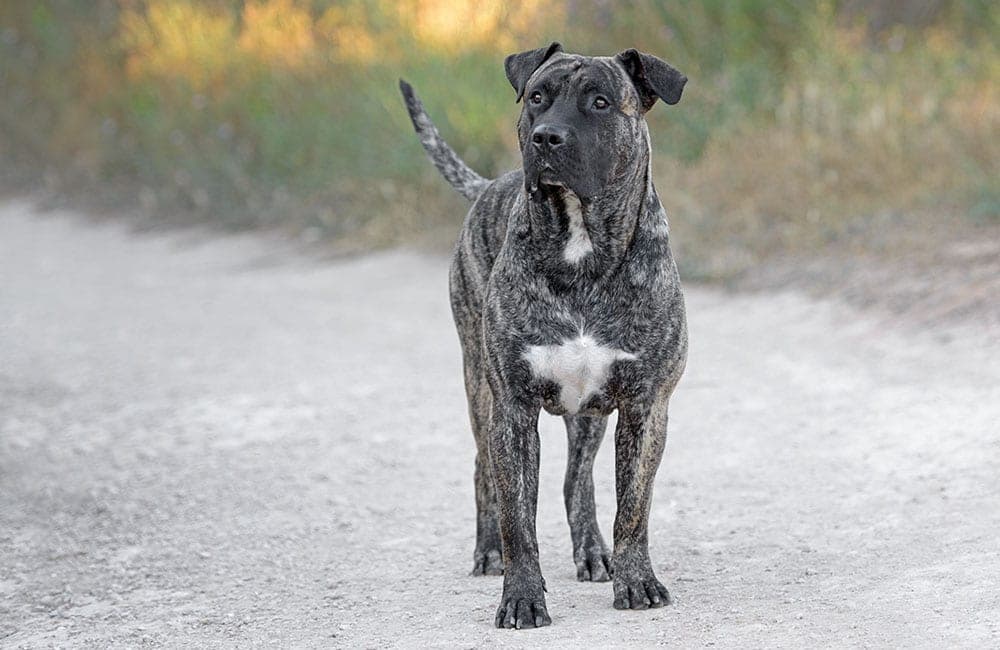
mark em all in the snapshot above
pixel 593 562
pixel 466 308
pixel 488 557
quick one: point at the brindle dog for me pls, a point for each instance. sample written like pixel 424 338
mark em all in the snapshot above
pixel 567 298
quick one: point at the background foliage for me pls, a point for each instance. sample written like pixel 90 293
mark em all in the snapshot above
pixel 801 119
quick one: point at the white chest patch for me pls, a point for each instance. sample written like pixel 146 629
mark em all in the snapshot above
pixel 580 367
pixel 579 243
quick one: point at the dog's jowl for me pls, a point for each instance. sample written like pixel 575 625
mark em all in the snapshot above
pixel 566 297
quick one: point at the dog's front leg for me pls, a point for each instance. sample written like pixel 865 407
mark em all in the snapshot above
pixel 639 442
pixel 514 456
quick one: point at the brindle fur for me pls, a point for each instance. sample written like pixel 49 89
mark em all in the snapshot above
pixel 512 288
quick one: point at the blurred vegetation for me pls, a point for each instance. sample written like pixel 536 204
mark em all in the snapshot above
pixel 801 119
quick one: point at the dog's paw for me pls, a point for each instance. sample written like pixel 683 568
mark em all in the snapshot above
pixel 523 606
pixel 640 593
pixel 487 563
pixel 593 564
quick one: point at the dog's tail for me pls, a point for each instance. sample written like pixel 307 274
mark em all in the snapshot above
pixel 468 183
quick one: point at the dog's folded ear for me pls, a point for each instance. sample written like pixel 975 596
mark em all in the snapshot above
pixel 521 66
pixel 652 77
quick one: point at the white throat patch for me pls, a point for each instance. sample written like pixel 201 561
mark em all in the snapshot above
pixel 578 244
pixel 580 367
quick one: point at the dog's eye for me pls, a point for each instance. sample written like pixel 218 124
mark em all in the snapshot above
pixel 536 98
pixel 600 103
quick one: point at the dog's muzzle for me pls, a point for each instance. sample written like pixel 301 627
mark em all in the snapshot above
pixel 548 157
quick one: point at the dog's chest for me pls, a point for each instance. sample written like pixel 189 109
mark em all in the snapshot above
pixel 579 366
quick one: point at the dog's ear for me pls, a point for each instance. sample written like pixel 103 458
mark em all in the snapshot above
pixel 652 77
pixel 521 66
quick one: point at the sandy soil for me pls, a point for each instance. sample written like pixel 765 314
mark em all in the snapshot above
pixel 217 442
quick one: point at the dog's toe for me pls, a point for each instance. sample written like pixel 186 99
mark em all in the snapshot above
pixel 488 563
pixel 641 594
pixel 594 567
pixel 523 614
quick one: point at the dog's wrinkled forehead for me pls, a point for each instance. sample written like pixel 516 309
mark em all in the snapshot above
pixel 576 73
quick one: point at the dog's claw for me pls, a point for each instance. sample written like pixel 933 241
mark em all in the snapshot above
pixel 522 614
pixel 641 594
pixel 656 599
pixel 522 606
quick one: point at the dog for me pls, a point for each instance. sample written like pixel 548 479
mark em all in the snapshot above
pixel 566 297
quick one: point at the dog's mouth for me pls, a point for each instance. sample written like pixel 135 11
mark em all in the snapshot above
pixel 549 177
pixel 543 176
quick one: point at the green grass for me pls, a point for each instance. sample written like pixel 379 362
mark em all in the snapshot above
pixel 800 117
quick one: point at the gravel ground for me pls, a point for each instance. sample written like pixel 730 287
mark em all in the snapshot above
pixel 212 441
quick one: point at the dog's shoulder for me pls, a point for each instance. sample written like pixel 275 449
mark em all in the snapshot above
pixel 486 223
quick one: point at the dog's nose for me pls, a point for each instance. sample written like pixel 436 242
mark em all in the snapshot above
pixel 549 136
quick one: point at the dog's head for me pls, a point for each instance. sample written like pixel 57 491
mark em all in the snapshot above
pixel 583 115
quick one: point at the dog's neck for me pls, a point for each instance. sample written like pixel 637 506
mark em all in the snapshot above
pixel 590 237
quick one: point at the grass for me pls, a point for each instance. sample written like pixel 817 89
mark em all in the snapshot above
pixel 803 121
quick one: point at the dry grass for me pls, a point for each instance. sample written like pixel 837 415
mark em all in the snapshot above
pixel 856 137
pixel 798 127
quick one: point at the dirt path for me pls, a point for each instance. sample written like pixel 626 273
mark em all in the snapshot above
pixel 222 443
